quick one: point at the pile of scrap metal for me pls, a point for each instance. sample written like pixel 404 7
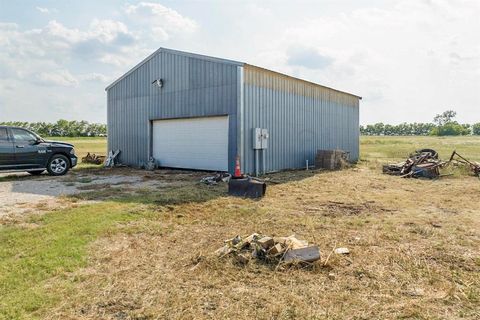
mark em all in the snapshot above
pixel 426 164
pixel 216 178
pixel 93 159
pixel 473 166
pixel 421 164
pixel 273 250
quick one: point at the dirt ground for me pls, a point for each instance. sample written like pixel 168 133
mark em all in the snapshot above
pixel 22 194
pixel 414 253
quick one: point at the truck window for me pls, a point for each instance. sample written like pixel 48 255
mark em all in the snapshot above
pixel 3 134
pixel 23 135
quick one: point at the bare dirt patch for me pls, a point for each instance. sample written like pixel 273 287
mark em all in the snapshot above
pixel 22 194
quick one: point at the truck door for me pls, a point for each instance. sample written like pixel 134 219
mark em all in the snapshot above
pixel 7 152
pixel 26 149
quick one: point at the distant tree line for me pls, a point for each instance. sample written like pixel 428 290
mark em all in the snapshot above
pixel 63 128
pixel 443 125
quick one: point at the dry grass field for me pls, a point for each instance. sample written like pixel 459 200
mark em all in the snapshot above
pixel 149 253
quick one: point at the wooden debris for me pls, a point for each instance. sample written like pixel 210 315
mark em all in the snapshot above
pixel 252 237
pixel 243 258
pixel 112 159
pixel 223 251
pixel 291 242
pixel 331 159
pixel 266 242
pixel 277 250
pixel 93 158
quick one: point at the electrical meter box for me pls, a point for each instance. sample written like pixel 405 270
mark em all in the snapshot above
pixel 260 138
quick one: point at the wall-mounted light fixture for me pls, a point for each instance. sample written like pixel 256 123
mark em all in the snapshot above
pixel 158 82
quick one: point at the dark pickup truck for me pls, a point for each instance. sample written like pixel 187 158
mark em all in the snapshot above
pixel 24 150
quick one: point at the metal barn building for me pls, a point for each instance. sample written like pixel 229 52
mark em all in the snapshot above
pixel 192 111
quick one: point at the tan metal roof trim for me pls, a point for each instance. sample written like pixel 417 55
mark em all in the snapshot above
pixel 275 80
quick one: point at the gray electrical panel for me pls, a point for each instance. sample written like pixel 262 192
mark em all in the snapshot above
pixel 264 138
pixel 260 138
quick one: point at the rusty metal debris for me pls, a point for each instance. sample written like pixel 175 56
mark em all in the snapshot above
pixel 93 159
pixel 474 166
pixel 272 250
pixel 426 164
pixel 215 179
pixel 421 164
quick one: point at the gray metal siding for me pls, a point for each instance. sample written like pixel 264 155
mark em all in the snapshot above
pixel 301 118
pixel 193 87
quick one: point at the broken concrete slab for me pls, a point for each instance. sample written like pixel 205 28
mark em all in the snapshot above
pixel 308 254
pixel 342 251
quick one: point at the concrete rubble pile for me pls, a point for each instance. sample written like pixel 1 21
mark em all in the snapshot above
pixel 272 250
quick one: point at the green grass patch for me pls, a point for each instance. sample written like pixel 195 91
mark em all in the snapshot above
pixel 55 246
pixel 399 148
pixel 84 145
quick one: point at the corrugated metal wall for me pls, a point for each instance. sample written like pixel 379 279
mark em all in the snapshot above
pixel 193 87
pixel 301 117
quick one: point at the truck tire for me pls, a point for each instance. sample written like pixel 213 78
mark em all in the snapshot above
pixel 433 153
pixel 58 165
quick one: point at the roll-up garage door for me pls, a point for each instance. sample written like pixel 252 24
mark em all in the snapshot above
pixel 191 143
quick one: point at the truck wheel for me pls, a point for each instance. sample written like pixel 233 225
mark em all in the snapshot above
pixel 36 172
pixel 58 165
pixel 433 153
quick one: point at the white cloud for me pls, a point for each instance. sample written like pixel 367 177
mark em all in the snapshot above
pixel 61 78
pixel 94 76
pixel 409 59
pixel 46 10
pixel 413 59
pixel 43 10
pixel 164 21
pixel 309 58
pixel 28 54
pixel 35 62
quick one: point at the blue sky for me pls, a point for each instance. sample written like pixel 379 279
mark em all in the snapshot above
pixel 409 59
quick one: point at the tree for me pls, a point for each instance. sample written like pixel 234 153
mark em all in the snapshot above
pixel 447 126
pixel 450 129
pixel 63 128
pixel 444 118
pixel 476 129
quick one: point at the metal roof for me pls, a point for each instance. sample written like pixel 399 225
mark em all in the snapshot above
pixel 213 59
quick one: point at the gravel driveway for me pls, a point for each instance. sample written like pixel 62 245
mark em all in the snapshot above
pixel 22 193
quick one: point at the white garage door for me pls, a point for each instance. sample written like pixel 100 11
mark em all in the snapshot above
pixel 192 143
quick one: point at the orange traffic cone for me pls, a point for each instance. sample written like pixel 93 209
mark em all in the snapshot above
pixel 237 173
